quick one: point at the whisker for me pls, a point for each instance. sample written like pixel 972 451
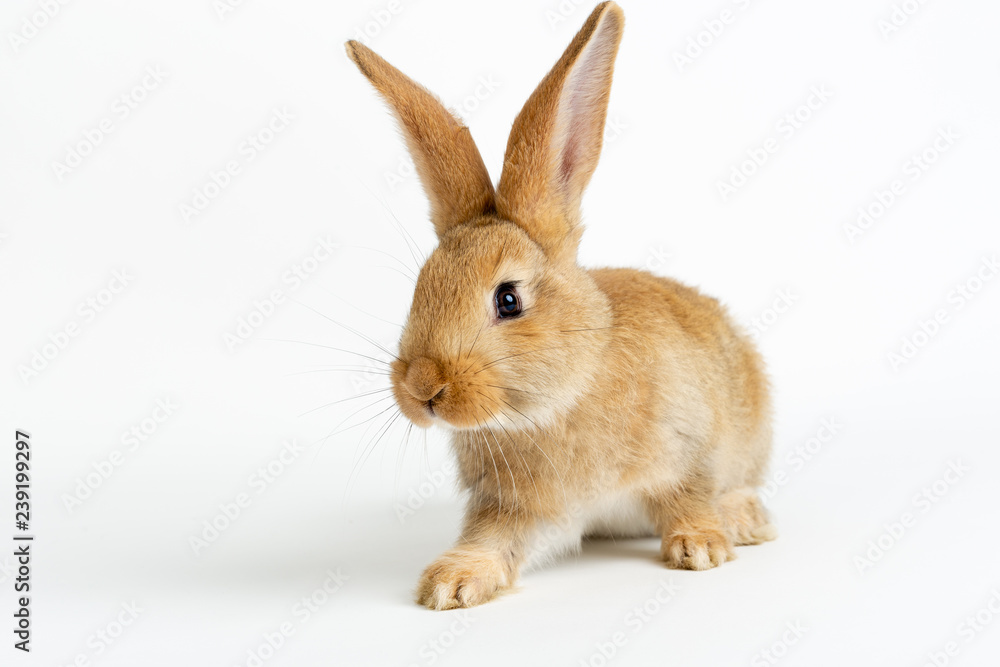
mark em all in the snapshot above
pixel 344 326
pixel 369 448
pixel 334 431
pixel 613 326
pixel 351 305
pixel 337 430
pixel 357 371
pixel 341 369
pixel 411 275
pixel 407 239
pixel 349 398
pixel 328 347
pixel 474 341
pixel 510 472
pixel 521 391
pixel 481 472
pixel 543 349
pixel 413 281
pixel 427 462
pixel 562 483
pixel 382 460
pixel 513 442
pixel 400 457
pixel 496 470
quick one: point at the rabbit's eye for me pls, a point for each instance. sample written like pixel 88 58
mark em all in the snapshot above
pixel 507 301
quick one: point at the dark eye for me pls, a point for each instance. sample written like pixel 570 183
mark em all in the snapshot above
pixel 507 301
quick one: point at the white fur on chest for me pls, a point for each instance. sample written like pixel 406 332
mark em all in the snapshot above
pixel 621 515
pixel 618 515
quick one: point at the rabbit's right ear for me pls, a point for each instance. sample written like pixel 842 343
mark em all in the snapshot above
pixel 556 139
pixel 447 160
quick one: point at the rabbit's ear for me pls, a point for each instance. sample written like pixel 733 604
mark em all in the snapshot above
pixel 556 140
pixel 449 164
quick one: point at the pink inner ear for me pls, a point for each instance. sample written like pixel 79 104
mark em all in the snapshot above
pixel 569 157
pixel 582 106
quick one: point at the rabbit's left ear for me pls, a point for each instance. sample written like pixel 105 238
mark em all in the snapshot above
pixel 556 140
pixel 447 160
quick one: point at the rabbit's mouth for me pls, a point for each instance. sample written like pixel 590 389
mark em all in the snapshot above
pixel 429 392
pixel 430 402
pixel 419 387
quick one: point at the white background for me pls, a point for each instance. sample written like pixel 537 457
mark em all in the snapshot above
pixel 337 171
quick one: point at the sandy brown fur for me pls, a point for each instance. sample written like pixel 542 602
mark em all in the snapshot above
pixel 614 389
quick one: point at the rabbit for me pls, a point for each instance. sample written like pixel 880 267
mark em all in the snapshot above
pixel 579 402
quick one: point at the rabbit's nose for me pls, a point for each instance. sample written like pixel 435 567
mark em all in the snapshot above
pixel 423 379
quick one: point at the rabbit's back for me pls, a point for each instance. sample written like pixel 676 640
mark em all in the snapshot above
pixel 695 364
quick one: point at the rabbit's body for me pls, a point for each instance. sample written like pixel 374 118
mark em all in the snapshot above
pixel 580 402
pixel 698 408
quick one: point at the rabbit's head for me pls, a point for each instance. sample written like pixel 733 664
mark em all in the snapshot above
pixel 505 328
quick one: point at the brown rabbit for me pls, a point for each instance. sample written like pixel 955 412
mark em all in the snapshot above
pixel 580 402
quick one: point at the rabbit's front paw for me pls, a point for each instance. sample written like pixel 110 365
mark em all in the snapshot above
pixel 461 579
pixel 697 550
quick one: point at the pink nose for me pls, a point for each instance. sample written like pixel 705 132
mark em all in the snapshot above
pixel 423 379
